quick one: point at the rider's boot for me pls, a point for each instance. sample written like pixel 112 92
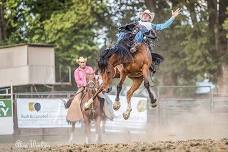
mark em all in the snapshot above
pixel 68 103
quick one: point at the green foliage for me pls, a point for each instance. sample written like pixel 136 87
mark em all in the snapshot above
pixel 225 25
pixel 69 24
pixel 75 27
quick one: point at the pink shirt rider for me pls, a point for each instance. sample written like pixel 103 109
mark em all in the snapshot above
pixel 80 75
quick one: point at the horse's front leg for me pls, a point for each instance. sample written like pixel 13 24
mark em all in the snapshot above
pixel 103 125
pixel 98 129
pixel 87 130
pixel 146 76
pixel 136 83
pixel 116 104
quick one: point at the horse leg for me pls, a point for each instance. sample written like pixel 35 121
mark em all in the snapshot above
pixel 98 129
pixel 136 83
pixel 103 125
pixel 72 133
pixel 116 104
pixel 145 71
pixel 87 130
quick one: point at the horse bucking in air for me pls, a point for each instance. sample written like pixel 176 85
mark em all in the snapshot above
pixel 119 62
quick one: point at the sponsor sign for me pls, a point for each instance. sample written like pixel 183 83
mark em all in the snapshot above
pixel 41 113
pixel 6 117
pixel 51 113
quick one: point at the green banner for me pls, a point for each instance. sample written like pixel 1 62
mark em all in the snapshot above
pixel 5 108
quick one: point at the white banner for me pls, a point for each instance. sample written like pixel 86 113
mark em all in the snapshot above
pixel 41 113
pixel 51 113
pixel 6 117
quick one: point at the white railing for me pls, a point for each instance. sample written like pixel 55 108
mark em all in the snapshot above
pixel 7 92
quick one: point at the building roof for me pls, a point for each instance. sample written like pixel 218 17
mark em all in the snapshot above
pixel 28 44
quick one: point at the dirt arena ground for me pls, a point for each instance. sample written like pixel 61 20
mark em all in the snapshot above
pixel 179 146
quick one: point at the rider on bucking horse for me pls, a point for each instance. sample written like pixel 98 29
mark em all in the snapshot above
pixel 142 32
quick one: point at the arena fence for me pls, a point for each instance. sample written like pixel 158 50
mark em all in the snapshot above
pixel 170 99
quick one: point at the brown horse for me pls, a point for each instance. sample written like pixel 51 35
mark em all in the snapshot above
pixel 94 112
pixel 119 61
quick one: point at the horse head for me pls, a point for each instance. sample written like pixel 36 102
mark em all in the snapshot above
pixel 92 84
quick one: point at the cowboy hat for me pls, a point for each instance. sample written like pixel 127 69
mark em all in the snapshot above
pixel 81 59
pixel 151 14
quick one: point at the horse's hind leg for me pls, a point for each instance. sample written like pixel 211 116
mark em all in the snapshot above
pixel 136 83
pixel 116 104
pixel 147 85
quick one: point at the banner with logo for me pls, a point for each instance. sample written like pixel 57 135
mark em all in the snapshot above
pixel 6 117
pixel 50 113
pixel 41 113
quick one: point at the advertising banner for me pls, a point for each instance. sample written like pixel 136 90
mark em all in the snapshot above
pixel 41 113
pixel 51 113
pixel 6 117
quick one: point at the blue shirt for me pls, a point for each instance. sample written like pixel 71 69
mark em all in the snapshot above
pixel 146 26
pixel 163 26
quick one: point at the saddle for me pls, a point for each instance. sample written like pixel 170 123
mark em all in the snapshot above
pixel 128 27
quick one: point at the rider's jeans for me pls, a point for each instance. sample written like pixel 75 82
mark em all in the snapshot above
pixel 139 37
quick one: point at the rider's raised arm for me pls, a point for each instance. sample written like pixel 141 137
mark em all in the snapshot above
pixel 163 26
pixel 168 23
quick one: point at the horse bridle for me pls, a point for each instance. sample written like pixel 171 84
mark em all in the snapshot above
pixel 91 84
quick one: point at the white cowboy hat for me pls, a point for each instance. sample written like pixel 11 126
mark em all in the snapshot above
pixel 81 59
pixel 151 14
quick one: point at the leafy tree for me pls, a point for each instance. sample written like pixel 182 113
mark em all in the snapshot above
pixel 195 44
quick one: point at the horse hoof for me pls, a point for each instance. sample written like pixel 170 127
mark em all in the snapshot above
pixel 154 103
pixel 126 115
pixel 116 105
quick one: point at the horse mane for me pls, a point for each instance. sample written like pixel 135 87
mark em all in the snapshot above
pixel 120 50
